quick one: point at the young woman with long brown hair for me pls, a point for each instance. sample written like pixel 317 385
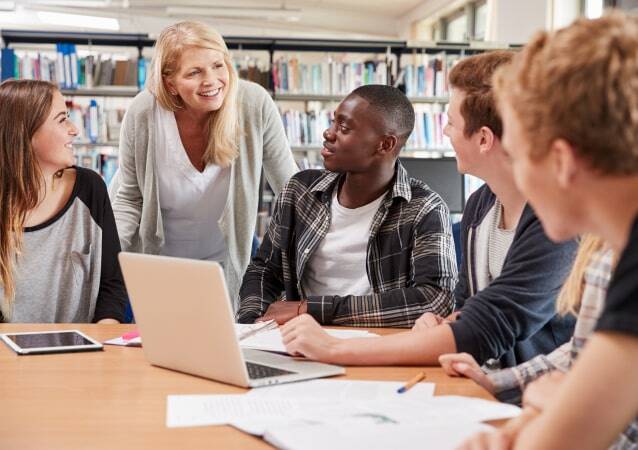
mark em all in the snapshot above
pixel 58 241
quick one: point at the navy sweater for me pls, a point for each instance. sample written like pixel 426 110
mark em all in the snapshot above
pixel 514 318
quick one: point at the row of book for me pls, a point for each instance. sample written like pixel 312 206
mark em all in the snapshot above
pixel 326 78
pixel 69 71
pixel 429 123
pixel 305 128
pixel 423 75
pixel 97 121
pixel 104 164
pixel 426 75
pixel 253 69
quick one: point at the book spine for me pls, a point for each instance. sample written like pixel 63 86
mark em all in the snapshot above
pixel 8 63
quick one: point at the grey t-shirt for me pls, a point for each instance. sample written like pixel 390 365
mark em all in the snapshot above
pixel 68 270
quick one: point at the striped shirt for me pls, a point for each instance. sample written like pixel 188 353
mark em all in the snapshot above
pixel 510 383
pixel 410 259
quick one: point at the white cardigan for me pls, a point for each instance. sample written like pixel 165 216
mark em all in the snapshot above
pixel 135 194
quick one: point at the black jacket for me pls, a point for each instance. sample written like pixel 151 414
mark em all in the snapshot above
pixel 514 318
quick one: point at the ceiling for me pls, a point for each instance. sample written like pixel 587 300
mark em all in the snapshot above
pixel 273 18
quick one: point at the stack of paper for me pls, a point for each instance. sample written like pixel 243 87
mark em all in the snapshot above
pixel 342 414
pixel 305 402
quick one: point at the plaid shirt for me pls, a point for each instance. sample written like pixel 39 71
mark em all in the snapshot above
pixel 510 383
pixel 410 261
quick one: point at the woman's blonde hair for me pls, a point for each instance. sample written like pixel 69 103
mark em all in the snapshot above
pixel 223 126
pixel 570 296
pixel 579 84
pixel 25 105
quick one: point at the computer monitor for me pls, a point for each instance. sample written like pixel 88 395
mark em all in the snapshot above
pixel 441 175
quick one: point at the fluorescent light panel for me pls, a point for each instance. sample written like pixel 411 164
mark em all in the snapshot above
pixel 77 20
pixel 291 15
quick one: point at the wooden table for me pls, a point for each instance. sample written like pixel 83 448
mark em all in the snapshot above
pixel 115 400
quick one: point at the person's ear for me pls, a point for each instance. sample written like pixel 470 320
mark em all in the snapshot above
pixel 486 139
pixel 388 144
pixel 170 86
pixel 564 162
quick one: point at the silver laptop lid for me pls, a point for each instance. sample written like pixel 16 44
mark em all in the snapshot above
pixel 171 300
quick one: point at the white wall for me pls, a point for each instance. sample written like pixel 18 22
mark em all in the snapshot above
pixel 515 21
pixel 565 11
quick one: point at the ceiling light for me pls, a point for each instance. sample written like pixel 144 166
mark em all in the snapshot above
pixel 72 3
pixel 77 20
pixel 286 14
pixel 6 5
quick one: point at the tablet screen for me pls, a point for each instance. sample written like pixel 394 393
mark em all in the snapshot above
pixel 60 339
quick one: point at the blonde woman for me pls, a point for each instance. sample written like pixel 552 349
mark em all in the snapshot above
pixel 192 149
pixel 58 241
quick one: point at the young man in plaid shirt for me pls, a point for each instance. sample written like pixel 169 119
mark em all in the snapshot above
pixel 361 243
pixel 510 270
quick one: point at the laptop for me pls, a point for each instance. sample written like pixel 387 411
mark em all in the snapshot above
pixel 183 313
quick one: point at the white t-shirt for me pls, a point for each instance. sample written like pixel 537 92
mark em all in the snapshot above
pixel 492 245
pixel 191 202
pixel 338 266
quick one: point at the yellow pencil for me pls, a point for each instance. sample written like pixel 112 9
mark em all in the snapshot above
pixel 418 377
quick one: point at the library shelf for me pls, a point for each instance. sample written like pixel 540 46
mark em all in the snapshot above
pixel 103 91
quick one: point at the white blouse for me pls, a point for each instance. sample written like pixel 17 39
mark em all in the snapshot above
pixel 191 202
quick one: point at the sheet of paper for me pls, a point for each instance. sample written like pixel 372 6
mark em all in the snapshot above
pixel 255 413
pixel 345 391
pixel 135 342
pixel 271 340
pixel 268 340
pixel 310 413
pixel 465 409
pixel 436 411
pixel 199 410
pixel 244 330
pixel 371 437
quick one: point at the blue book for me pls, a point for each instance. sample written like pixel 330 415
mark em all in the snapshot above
pixel 7 64
pixel 427 129
pixel 409 81
pixel 141 73
pixel 109 166
pixel 420 83
pixel 59 65
pixel 74 66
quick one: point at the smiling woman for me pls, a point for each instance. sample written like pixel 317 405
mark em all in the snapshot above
pixel 58 241
pixel 192 150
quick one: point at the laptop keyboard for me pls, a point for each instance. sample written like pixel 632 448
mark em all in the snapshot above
pixel 256 371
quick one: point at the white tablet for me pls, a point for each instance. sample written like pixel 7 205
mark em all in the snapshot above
pixel 29 343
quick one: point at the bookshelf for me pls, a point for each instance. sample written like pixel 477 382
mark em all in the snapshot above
pixel 102 91
pixel 420 68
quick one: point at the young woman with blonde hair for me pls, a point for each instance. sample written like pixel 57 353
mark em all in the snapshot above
pixel 58 241
pixel 192 149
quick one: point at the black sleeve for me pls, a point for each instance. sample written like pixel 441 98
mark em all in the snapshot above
pixel 462 289
pixel 621 307
pixel 521 301
pixel 111 297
